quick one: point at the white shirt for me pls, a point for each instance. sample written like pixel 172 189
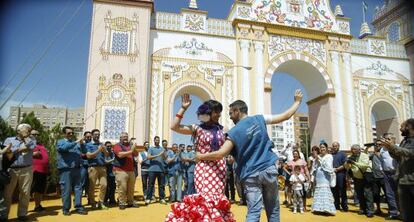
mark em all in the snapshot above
pixel 297 178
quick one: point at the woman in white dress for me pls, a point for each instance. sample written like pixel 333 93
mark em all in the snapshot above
pixel 323 201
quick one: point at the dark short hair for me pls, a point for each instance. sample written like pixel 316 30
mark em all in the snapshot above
pixel 240 105
pixel 214 105
pixel 108 142
pixel 164 141
pixel 95 130
pixel 410 122
pixel 296 151
pixel 174 144
pixel 182 144
pixel 86 132
pixel 66 128
pixel 146 142
pixel 155 137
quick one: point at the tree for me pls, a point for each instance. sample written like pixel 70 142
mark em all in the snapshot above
pixel 55 134
pixel 305 141
pixel 5 130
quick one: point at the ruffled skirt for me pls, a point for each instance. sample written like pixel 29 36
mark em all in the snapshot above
pixel 201 207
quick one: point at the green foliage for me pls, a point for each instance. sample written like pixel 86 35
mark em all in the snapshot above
pixel 5 130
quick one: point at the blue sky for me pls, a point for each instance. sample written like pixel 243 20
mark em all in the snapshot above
pixel 48 41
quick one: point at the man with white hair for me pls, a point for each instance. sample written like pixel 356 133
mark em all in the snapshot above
pixel 21 173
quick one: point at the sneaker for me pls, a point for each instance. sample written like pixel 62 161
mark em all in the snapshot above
pixel 81 211
pixel 133 205
pixel 294 211
pixel 122 207
pixel 393 217
pixel 147 202
pixel 301 211
pixel 163 202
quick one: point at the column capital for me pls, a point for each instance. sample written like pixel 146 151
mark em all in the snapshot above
pixel 258 46
pixel 244 43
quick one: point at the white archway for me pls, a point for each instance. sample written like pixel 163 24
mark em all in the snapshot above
pixel 386 118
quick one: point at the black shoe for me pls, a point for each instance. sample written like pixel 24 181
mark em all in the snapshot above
pixel 38 209
pixel 66 213
pixel 122 207
pixel 361 212
pixel 81 211
pixel 22 218
pixel 133 205
pixel 370 215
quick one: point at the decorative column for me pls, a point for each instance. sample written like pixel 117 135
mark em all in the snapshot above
pixel 258 48
pixel 353 123
pixel 245 47
pixel 339 111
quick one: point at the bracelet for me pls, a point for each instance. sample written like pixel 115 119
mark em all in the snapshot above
pixel 179 116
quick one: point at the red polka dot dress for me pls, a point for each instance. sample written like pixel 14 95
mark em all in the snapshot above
pixel 209 204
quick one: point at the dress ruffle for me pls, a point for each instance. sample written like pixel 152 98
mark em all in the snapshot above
pixel 201 207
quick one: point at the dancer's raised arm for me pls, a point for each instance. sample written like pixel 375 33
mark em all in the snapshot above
pixel 274 119
pixel 176 124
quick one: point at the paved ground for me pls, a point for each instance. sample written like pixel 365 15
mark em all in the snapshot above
pixel 157 212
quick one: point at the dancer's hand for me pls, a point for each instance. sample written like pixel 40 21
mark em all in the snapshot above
pixel 298 95
pixel 185 101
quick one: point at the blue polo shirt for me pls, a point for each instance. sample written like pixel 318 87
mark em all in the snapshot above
pixel 175 165
pixel 22 159
pixel 156 164
pixel 69 154
pixel 99 160
pixel 252 147
pixel 188 166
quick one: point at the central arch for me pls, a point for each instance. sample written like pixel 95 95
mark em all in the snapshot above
pixel 386 119
pixel 319 88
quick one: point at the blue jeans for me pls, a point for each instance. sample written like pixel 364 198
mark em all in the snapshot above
pixel 189 183
pixel 176 184
pixel 262 187
pixel 69 178
pixel 145 179
pixel 160 176
pixel 390 192
pixel 84 178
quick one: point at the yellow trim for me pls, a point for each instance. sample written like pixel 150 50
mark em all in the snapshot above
pixel 378 56
pixel 319 98
pixel 294 31
pixel 193 33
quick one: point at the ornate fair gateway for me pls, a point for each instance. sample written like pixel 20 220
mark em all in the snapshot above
pixel 140 61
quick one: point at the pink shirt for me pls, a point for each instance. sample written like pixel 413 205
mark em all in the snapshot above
pixel 300 163
pixel 41 163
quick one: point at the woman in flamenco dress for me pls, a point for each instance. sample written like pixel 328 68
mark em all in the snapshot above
pixel 209 203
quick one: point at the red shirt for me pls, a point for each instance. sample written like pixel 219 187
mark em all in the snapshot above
pixel 129 161
pixel 41 163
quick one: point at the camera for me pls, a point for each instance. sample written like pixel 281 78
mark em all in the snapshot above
pixel 351 159
pixel 375 143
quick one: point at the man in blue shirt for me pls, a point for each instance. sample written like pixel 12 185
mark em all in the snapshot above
pixel 339 191
pixel 175 173
pixel 96 153
pixel 249 143
pixel 157 156
pixel 87 137
pixel 69 163
pixel 188 160
pixel 21 174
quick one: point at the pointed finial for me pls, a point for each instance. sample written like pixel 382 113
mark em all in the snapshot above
pixel 365 30
pixel 338 11
pixel 193 4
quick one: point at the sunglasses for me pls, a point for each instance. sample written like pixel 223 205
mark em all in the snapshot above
pixel 35 134
pixel 69 133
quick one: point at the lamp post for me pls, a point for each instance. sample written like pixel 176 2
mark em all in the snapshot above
pixel 244 67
